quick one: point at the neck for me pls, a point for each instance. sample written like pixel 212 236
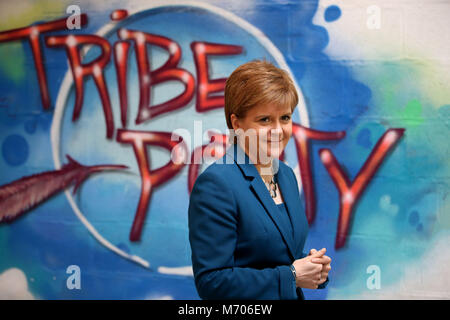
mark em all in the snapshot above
pixel 265 169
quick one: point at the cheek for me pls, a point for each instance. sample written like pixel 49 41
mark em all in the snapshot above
pixel 263 134
pixel 287 132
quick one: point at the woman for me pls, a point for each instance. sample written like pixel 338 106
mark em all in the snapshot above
pixel 247 225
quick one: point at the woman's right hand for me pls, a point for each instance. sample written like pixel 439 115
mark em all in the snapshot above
pixel 308 274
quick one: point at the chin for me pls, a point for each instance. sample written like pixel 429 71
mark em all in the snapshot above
pixel 276 151
pixel 273 153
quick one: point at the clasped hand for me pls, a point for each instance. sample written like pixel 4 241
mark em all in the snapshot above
pixel 312 270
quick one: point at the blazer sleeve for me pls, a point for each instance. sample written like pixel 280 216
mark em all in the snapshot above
pixel 213 238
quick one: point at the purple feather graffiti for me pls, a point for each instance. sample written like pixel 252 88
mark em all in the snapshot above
pixel 26 193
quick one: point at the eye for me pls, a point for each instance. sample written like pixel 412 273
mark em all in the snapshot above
pixel 286 117
pixel 265 119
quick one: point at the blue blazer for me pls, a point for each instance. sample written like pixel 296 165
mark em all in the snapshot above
pixel 240 248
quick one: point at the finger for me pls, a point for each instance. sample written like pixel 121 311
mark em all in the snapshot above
pixel 325 272
pixel 320 260
pixel 319 253
pixel 323 259
pixel 312 251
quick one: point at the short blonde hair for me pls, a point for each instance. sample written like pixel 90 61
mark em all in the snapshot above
pixel 257 82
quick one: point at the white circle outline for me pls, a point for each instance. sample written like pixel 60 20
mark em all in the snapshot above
pixel 68 81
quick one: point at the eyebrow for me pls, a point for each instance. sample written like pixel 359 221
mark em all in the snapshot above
pixel 268 116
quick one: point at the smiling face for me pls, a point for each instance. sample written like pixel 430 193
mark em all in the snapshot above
pixel 264 131
pixel 259 101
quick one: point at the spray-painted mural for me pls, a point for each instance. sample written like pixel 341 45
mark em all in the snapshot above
pixel 110 110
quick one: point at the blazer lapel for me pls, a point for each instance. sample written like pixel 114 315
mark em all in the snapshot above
pixel 262 193
pixel 293 205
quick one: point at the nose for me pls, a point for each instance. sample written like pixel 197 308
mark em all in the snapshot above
pixel 276 132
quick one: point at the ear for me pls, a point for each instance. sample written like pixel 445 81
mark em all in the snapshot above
pixel 234 122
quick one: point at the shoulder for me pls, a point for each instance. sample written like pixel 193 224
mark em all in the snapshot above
pixel 217 175
pixel 290 174
pixel 220 170
pixel 286 168
pixel 213 193
pixel 282 165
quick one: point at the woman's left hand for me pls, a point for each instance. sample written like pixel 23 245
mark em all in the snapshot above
pixel 325 261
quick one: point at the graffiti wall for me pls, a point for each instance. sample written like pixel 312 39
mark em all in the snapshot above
pixel 110 110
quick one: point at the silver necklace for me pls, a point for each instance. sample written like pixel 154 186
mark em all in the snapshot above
pixel 272 186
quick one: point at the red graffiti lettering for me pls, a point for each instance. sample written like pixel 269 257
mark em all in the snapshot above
pixel 168 71
pixel 152 178
pixel 119 14
pixel 121 50
pixel 94 68
pixel 350 192
pixel 301 137
pixel 32 34
pixel 205 86
pixel 209 97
